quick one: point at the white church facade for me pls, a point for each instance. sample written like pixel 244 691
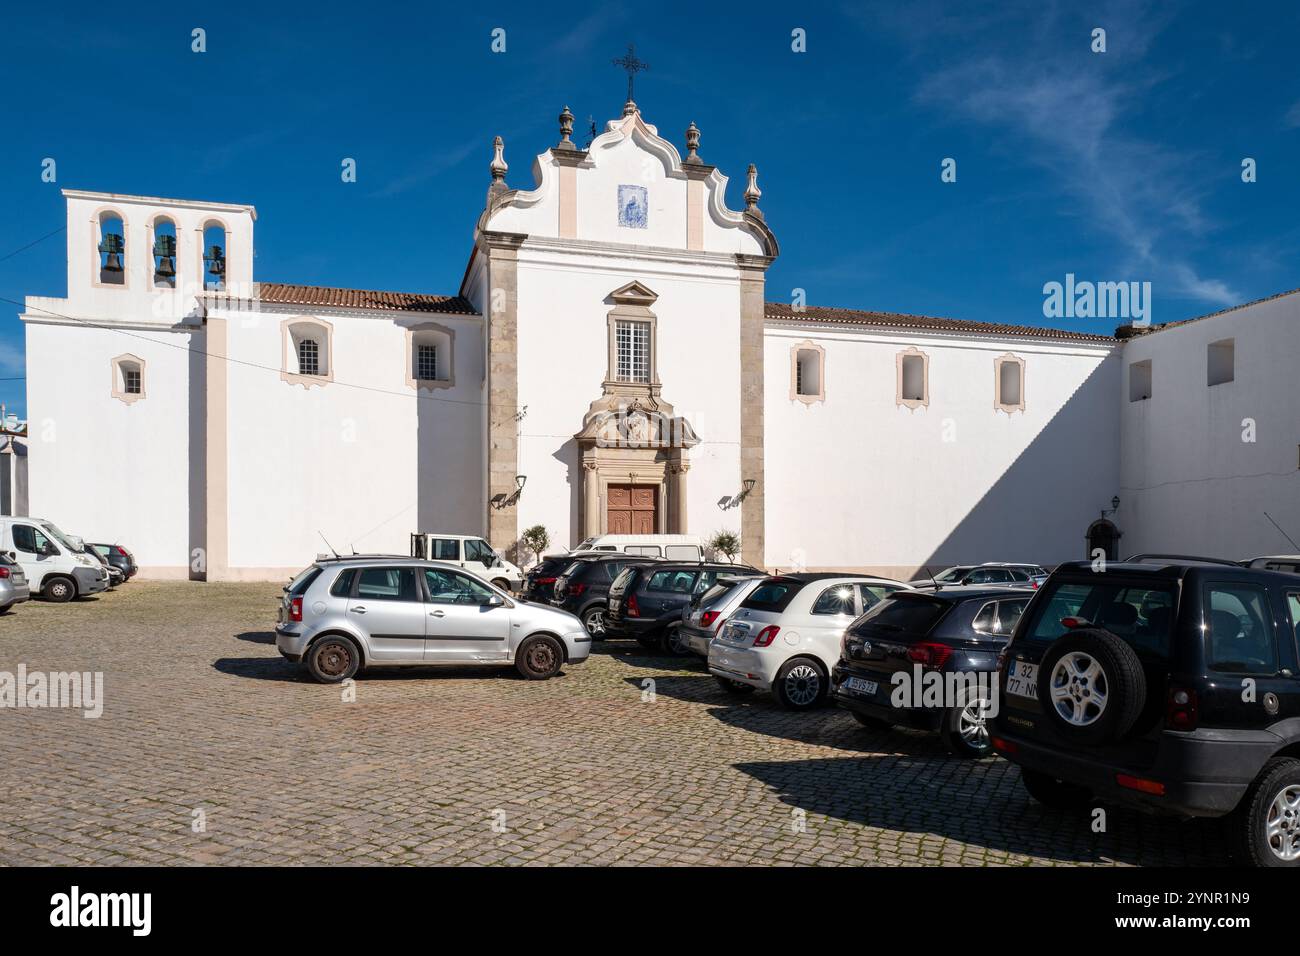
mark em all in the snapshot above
pixel 613 361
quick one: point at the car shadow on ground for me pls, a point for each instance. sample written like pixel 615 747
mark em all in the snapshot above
pixel 278 669
pixel 257 637
pixel 981 803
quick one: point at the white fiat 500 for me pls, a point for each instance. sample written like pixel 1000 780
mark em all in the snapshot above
pixel 785 637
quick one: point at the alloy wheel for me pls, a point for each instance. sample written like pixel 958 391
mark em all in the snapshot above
pixel 595 623
pixel 1079 689
pixel 1282 825
pixel 803 685
pixel 972 725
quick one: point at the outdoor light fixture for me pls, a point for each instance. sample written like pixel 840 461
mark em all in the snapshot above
pixel 1114 503
pixel 520 481
pixel 749 485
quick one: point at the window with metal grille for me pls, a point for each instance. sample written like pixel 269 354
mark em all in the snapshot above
pixel 308 357
pixel 632 345
pixel 131 381
pixel 426 363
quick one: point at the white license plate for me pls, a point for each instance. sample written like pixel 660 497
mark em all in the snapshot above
pixel 733 634
pixel 1022 680
pixel 857 685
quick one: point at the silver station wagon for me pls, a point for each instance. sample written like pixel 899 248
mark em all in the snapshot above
pixel 342 615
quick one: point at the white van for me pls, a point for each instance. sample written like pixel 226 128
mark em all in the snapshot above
pixel 53 562
pixel 674 547
pixel 471 553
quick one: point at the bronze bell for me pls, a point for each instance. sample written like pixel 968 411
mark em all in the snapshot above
pixel 113 262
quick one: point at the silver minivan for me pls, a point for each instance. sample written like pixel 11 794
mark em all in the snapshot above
pixel 341 615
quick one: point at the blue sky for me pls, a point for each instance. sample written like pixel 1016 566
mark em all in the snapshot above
pixel 1117 166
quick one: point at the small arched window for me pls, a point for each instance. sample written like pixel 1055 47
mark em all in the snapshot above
pixel 111 247
pixel 164 253
pixel 913 378
pixel 1009 383
pixel 128 378
pixel 308 351
pixel 807 373
pixel 214 256
pixel 429 357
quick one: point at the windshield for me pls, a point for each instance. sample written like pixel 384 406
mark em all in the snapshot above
pixel 952 574
pixel 59 536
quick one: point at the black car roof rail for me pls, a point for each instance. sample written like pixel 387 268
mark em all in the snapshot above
pixel 1157 556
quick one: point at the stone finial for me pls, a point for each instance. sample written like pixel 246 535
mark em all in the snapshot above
pixel 566 130
pixel 498 165
pixel 629 108
pixel 752 192
pixel 692 143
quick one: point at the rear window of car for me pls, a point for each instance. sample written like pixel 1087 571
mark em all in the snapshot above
pixel 304 579
pixel 1140 615
pixel 714 593
pixel 676 580
pixel 343 584
pixel 773 595
pixel 623 579
pixel 1241 630
pixel 910 612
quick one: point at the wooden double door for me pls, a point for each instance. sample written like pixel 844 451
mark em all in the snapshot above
pixel 632 509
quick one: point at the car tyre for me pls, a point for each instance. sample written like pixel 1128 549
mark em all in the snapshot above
pixel 965 730
pixel 1081 668
pixel 59 589
pixel 801 684
pixel 5 608
pixel 673 643
pixel 539 657
pixel 734 687
pixel 501 583
pixel 593 619
pixel 1266 825
pixel 1053 793
pixel 332 659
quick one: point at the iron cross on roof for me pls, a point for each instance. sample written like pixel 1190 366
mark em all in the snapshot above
pixel 633 67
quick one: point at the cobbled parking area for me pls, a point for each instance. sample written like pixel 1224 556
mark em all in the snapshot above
pixel 206 728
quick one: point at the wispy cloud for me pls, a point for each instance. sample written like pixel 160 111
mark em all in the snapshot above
pixel 1074 118
pixel 1292 118
pixel 430 166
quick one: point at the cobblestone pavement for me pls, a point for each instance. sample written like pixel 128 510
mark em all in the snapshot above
pixel 202 714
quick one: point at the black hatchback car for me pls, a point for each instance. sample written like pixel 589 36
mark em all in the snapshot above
pixel 1168 683
pixel 945 642
pixel 646 600
pixel 539 582
pixel 117 557
pixel 583 586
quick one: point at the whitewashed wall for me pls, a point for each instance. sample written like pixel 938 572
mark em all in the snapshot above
pixel 1190 483
pixel 98 467
pixel 858 481
pixel 363 465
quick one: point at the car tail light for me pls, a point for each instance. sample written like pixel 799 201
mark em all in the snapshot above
pixel 632 608
pixel 119 550
pixel 1181 709
pixel 1033 585
pixel 1073 622
pixel 1006 746
pixel 707 618
pixel 1154 787
pixel 929 654
pixel 1002 658
pixel 295 609
pixel 575 589
pixel 766 636
pixel 4 572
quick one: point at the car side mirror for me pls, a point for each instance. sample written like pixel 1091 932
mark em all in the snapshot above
pixel 48 550
pixel 495 600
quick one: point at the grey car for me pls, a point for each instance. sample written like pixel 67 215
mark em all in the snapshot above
pixel 341 615
pixel 13 583
pixel 707 612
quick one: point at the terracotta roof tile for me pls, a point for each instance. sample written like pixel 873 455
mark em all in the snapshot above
pixel 901 320
pixel 328 296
